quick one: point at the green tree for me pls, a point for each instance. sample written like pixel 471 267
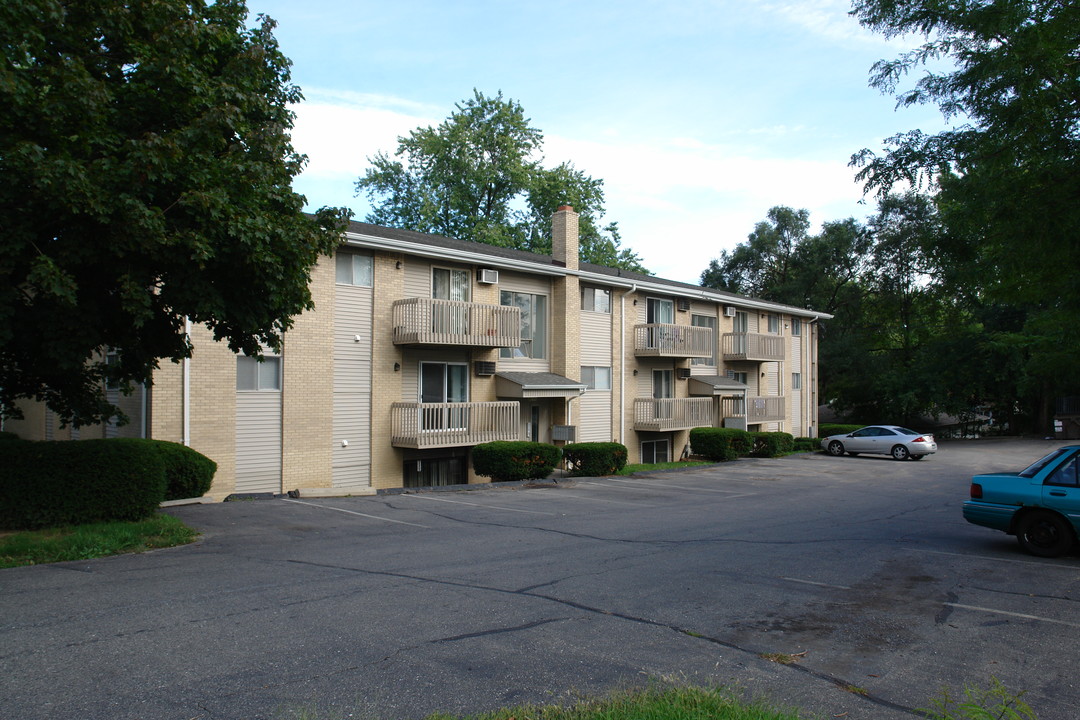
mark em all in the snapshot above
pixel 147 174
pixel 475 177
pixel 1008 176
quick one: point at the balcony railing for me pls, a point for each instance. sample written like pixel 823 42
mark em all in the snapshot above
pixel 683 341
pixel 657 414
pixel 752 346
pixel 427 321
pixel 435 425
pixel 755 409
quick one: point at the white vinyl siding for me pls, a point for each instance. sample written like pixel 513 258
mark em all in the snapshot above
pixel 594 416
pixel 258 442
pixel 351 463
pixel 417 278
pixel 595 339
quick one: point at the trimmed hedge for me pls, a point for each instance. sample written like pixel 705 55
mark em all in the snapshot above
pixel 719 444
pixel 5 435
pixel 772 444
pixel 593 459
pixel 188 473
pixel 515 460
pixel 807 444
pixel 827 429
pixel 49 484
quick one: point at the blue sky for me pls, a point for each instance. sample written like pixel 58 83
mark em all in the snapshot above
pixel 698 115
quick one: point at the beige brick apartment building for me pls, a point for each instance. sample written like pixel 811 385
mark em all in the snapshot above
pixel 420 347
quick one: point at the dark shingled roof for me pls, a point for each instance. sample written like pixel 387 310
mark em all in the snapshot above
pixel 539 379
pixel 521 255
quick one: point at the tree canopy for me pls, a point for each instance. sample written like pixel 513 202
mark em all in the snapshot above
pixel 147 174
pixel 477 176
pixel 1007 177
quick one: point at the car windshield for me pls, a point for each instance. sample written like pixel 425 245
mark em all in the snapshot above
pixel 1042 462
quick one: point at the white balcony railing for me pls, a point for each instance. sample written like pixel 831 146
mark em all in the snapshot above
pixel 752 346
pixel 428 321
pixel 755 409
pixel 435 425
pixel 657 414
pixel 683 341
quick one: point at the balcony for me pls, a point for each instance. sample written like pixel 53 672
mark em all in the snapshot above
pixel 660 414
pixel 456 424
pixel 754 347
pixel 678 341
pixel 755 409
pixel 427 321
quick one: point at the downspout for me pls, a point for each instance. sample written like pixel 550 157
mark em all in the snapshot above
pixel 812 406
pixel 186 437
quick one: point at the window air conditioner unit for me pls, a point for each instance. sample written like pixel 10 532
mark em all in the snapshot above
pixel 729 311
pixel 564 433
pixel 684 304
pixel 487 276
pixel 683 373
pixel 484 367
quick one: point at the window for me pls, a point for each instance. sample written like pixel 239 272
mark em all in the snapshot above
pixel 774 324
pixel 596 378
pixel 596 300
pixel 111 358
pixel 796 381
pixel 739 377
pixel 354 269
pixel 253 374
pixel 1065 474
pixel 440 384
pixel 659 311
pixel 533 324
pixel 796 327
pixel 441 471
pixel 706 321
pixel 654 451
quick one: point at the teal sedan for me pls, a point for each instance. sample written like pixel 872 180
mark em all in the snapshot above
pixel 1040 505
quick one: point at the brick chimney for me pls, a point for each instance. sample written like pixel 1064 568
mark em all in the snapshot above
pixel 564 236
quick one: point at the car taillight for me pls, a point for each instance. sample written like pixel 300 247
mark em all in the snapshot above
pixel 921 438
pixel 976 490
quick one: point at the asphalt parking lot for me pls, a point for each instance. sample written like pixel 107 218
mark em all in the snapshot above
pixel 396 606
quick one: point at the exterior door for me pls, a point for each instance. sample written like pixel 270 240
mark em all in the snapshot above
pixel 663 391
pixel 660 312
pixel 740 325
pixel 450 284
pixel 442 383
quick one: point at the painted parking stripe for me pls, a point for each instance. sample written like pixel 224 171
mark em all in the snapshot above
pixel 653 483
pixel 817 584
pixel 1013 614
pixel 351 512
pixel 969 556
pixel 480 505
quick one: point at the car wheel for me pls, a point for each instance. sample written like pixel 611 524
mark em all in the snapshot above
pixel 836 448
pixel 917 457
pixel 853 454
pixel 1045 534
pixel 899 452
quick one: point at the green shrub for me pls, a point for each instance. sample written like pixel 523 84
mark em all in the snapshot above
pixel 595 458
pixel 827 429
pixel 188 473
pixel 772 444
pixel 807 444
pixel 49 484
pixel 507 461
pixel 5 435
pixel 719 444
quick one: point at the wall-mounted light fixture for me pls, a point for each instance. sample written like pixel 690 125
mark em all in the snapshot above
pixel 398 266
pixel 397 366
pixel 635 371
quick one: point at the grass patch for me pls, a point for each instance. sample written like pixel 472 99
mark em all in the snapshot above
pixel 668 703
pixel 82 542
pixel 783 658
pixel 646 467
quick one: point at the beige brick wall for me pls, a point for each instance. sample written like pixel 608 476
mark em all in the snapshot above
pixel 386 460
pixel 308 389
